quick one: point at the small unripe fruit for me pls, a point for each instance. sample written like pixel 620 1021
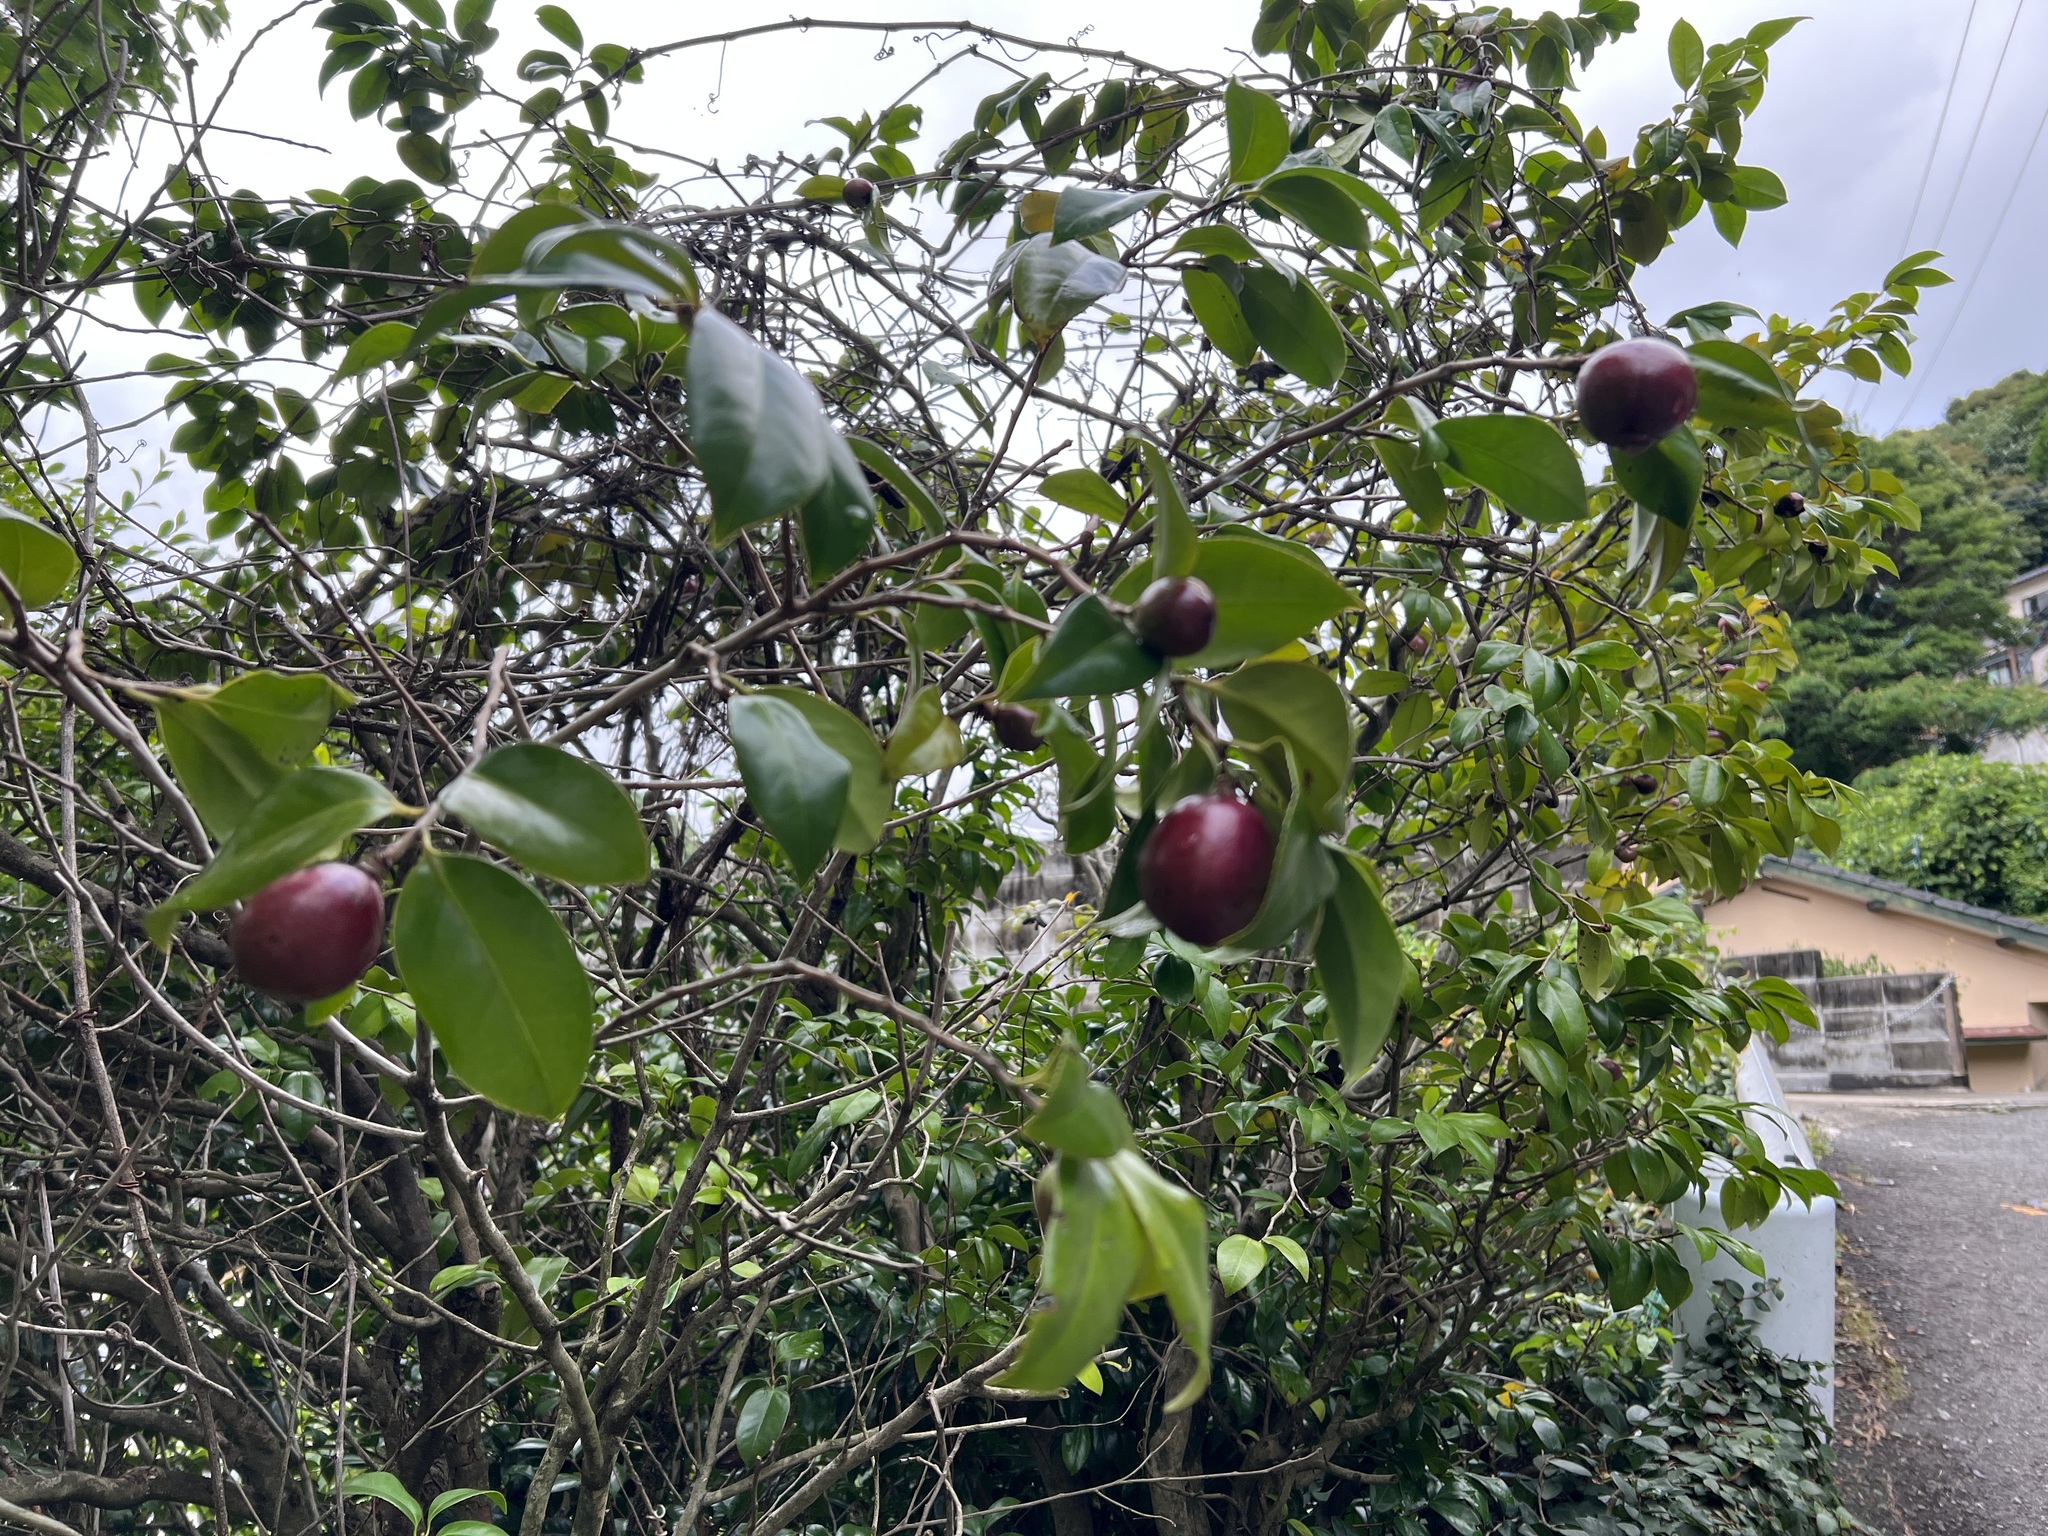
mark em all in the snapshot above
pixel 1791 504
pixel 1612 1067
pixel 1634 394
pixel 1205 868
pixel 310 934
pixel 1644 783
pixel 859 194
pixel 1175 616
pixel 1016 727
pixel 1625 852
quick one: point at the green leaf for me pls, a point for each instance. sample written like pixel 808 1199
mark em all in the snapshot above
pixel 796 782
pixel 1304 875
pixel 1239 1259
pixel 1688 54
pixel 1667 478
pixel 761 1421
pixel 382 1485
pixel 1359 959
pixel 869 799
pixel 1289 1250
pixel 1737 388
pixel 380 344
pixel 755 426
pixel 427 158
pixel 1757 188
pixel 1608 656
pixel 366 92
pixel 1299 703
pixel 1321 202
pixel 1079 1116
pixel 1090 652
pixel 1084 491
pixel 837 525
pixel 1523 461
pixel 1268 591
pixel 455 1496
pixel 1544 1065
pixel 1657 547
pixel 1176 1234
pixel 221 771
pixel 1294 325
pixel 1225 240
pixel 1414 476
pixel 1084 211
pixel 302 819
pixel 1173 531
pixel 1258 130
pixel 497 980
pixel 1217 311
pixel 561 25
pixel 37 561
pixel 505 250
pixel 554 813
pixel 282 715
pixel 1093 1248
pixel 919 500
pixel 1051 284
pixel 925 739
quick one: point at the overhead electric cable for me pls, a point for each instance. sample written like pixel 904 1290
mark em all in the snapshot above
pixel 1983 257
pixel 1940 126
pixel 1983 110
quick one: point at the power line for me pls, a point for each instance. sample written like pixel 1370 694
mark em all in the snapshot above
pixel 1983 110
pixel 1940 125
pixel 1983 258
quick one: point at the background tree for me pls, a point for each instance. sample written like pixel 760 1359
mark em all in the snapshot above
pixel 1957 826
pixel 685 590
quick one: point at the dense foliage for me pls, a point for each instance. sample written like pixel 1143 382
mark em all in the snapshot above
pixel 1958 826
pixel 622 559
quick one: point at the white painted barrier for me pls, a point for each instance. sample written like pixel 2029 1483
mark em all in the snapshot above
pixel 1796 1241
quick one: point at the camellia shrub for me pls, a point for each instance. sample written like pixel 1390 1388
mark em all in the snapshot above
pixel 491 1035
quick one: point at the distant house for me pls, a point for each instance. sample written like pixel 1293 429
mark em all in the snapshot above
pixel 2026 663
pixel 2000 963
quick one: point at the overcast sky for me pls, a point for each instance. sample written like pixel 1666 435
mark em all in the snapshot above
pixel 1856 95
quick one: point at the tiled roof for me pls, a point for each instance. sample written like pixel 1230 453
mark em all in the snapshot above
pixel 1889 895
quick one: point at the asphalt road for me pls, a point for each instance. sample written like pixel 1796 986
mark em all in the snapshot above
pixel 1944 1221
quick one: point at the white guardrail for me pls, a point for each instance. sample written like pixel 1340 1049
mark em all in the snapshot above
pixel 1796 1241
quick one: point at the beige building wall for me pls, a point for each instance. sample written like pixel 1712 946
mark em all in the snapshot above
pixel 1998 989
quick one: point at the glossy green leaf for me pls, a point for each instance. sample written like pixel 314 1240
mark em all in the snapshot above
pixel 1523 461
pixel 1268 591
pixel 1087 787
pixel 761 440
pixel 1225 240
pixel 837 524
pixel 505 250
pixel 37 561
pixel 1239 1260
pixel 1738 388
pixel 1322 204
pixel 1078 1115
pixel 916 498
pixel 1093 1248
pixel 386 1488
pixel 1219 314
pixel 1290 1250
pixel 1667 478
pixel 1304 876
pixel 382 343
pixel 1090 652
pixel 221 771
pixel 925 740
pixel 495 977
pixel 1657 547
pixel 797 783
pixel 1299 703
pixel 282 715
pixel 1687 53
pixel 455 1496
pixel 1084 211
pixel 1294 325
pixel 1173 531
pixel 1359 960
pixel 303 818
pixel 561 25
pixel 1414 476
pixel 1051 284
pixel 869 799
pixel 555 813
pixel 1084 491
pixel 1176 1234
pixel 1258 132
pixel 760 1424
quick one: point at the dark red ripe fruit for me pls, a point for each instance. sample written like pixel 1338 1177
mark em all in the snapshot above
pixel 1205 868
pixel 1016 727
pixel 1791 504
pixel 310 934
pixel 1176 615
pixel 1634 394
pixel 1644 783
pixel 859 193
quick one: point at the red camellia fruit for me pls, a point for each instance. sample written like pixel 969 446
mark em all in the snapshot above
pixel 1016 727
pixel 1205 868
pixel 859 193
pixel 1175 616
pixel 310 934
pixel 1633 394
